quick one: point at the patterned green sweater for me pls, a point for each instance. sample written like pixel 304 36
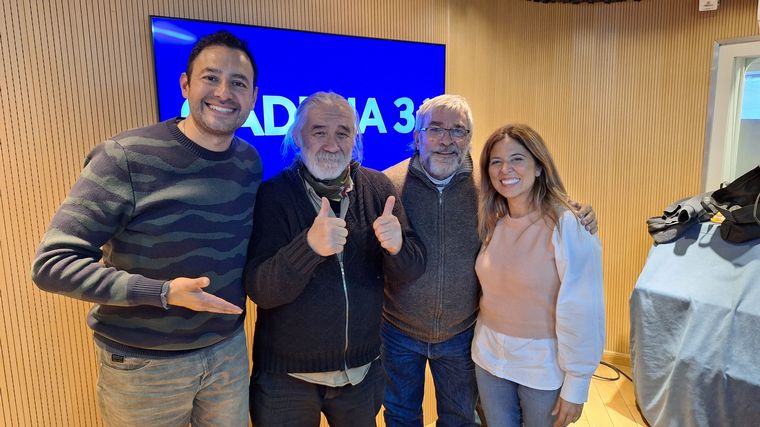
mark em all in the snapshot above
pixel 153 206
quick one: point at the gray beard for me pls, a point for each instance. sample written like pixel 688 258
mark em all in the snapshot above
pixel 436 169
pixel 326 165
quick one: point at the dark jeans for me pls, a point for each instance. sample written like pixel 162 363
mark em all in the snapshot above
pixel 404 359
pixel 281 400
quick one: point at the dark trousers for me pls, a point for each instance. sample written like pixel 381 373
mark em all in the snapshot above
pixel 281 400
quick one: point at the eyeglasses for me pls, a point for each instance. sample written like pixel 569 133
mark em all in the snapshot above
pixel 436 133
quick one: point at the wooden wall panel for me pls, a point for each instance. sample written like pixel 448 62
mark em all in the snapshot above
pixel 619 91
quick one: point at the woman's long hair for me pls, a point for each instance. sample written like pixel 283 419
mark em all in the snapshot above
pixel 548 194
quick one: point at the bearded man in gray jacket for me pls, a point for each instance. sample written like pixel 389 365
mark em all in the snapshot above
pixel 432 319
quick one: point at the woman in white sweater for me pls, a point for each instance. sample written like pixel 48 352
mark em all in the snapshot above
pixel 540 331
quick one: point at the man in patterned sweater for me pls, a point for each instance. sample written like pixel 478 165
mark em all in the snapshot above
pixel 169 210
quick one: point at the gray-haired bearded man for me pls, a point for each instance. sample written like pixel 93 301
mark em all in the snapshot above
pixel 328 235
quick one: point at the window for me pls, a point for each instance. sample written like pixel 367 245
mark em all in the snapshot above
pixel 733 119
pixel 748 144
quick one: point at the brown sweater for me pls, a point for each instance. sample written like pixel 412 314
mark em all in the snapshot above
pixel 443 302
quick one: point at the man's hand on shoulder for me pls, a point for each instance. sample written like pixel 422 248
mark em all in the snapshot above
pixel 586 215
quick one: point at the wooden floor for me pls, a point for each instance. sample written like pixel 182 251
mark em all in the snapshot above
pixel 610 403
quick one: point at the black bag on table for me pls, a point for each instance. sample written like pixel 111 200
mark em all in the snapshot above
pixel 738 202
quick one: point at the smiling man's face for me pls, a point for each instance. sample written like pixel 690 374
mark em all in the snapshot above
pixel 443 156
pixel 220 92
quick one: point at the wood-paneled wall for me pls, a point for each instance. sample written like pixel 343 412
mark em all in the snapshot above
pixel 619 91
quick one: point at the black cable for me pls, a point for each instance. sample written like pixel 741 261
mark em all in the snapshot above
pixel 617 370
pixel 603 378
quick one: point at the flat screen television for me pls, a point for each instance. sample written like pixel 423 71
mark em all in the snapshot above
pixel 386 80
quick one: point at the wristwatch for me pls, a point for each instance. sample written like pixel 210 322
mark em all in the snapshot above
pixel 164 294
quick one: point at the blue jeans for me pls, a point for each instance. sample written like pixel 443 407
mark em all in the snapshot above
pixel 281 400
pixel 208 387
pixel 509 404
pixel 453 373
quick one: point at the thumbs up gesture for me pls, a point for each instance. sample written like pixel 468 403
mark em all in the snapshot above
pixel 327 234
pixel 388 229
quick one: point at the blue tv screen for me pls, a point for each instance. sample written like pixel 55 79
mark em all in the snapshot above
pixel 386 80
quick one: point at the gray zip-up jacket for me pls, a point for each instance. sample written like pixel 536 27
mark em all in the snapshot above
pixel 443 302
